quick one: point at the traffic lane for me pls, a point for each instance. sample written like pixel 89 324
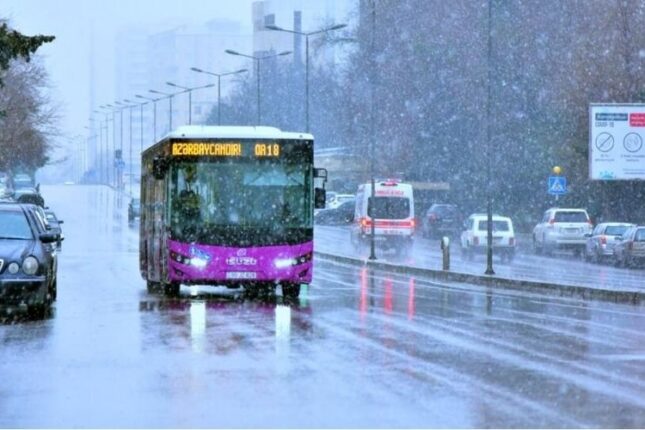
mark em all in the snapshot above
pixel 560 268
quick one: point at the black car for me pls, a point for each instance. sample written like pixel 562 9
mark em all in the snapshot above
pixel 441 219
pixel 134 209
pixel 27 262
pixel 29 195
pixel 55 225
pixel 343 214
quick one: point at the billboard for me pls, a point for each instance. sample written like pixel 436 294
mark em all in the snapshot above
pixel 616 137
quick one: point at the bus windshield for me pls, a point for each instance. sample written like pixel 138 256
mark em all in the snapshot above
pixel 268 196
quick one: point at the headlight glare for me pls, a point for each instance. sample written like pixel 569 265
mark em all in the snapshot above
pixel 30 265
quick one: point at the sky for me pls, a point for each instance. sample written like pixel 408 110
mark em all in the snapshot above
pixel 76 22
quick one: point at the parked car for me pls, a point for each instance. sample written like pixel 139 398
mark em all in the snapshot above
pixel 134 209
pixel 27 265
pixel 562 229
pixel 601 242
pixel 55 225
pixel 441 219
pixel 343 214
pixel 330 198
pixel 630 247
pixel 29 196
pixel 474 238
pixel 340 199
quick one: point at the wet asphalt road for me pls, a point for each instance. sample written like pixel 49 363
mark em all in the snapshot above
pixel 359 349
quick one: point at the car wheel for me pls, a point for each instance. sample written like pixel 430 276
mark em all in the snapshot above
pixel 53 291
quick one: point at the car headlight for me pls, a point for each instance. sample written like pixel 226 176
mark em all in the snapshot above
pixel 30 265
pixel 13 268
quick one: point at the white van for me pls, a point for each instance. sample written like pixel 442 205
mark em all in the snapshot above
pixel 393 210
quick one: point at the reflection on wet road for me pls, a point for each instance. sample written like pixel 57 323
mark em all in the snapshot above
pixel 360 348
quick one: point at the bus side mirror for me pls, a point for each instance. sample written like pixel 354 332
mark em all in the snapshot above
pixel 320 196
pixel 369 207
pixel 320 173
pixel 159 167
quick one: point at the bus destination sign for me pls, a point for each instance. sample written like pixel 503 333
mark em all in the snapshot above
pixel 226 149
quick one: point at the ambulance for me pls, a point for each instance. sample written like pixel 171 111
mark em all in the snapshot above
pixel 392 211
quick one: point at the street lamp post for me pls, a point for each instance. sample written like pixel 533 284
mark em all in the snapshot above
pixel 373 133
pixel 257 69
pixel 307 34
pixel 489 205
pixel 189 90
pixel 169 96
pixel 154 116
pixel 219 87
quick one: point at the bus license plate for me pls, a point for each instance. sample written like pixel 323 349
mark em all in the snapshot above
pixel 241 275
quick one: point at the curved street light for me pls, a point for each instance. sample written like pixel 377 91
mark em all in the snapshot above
pixel 189 90
pixel 307 34
pixel 219 79
pixel 257 69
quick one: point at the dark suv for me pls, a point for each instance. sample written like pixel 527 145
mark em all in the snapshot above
pixel 441 219
pixel 27 260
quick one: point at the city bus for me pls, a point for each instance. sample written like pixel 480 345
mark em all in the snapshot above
pixel 229 206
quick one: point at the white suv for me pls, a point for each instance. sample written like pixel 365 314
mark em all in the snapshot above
pixel 475 236
pixel 562 229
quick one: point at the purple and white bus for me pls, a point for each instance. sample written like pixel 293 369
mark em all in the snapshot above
pixel 229 206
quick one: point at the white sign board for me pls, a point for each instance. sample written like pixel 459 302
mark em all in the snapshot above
pixel 616 141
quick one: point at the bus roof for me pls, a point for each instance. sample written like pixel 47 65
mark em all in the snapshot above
pixel 232 132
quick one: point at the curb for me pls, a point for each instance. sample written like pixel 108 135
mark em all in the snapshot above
pixel 564 290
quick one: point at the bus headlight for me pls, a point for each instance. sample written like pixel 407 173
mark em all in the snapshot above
pixel 282 263
pixel 198 262
pixel 30 265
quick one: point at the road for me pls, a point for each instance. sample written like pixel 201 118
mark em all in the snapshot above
pixel 361 348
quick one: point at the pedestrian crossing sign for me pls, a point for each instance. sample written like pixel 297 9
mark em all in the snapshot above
pixel 557 185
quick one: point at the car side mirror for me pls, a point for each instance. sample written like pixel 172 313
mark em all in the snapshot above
pixel 588 235
pixel 60 221
pixel 619 238
pixel 319 198
pixel 48 237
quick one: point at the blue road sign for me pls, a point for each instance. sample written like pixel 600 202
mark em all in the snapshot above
pixel 557 185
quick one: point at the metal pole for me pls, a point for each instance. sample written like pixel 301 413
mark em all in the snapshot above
pixel 170 128
pixel 130 155
pixel 141 127
pixel 372 134
pixel 154 121
pixel 119 173
pixel 190 107
pixel 113 144
pixel 307 83
pixel 219 104
pixel 489 206
pixel 257 61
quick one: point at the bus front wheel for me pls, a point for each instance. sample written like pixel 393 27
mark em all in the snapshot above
pixel 171 289
pixel 290 290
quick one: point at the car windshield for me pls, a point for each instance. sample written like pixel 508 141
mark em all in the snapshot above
pixel 577 216
pixel 615 230
pixel 390 208
pixel 14 225
pixel 497 225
